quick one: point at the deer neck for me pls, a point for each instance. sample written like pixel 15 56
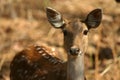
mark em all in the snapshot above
pixel 75 67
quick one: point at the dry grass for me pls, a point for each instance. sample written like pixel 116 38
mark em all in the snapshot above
pixel 23 22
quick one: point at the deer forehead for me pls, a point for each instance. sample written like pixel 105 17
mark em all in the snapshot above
pixel 75 27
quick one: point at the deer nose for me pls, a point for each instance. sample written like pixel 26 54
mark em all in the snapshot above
pixel 74 51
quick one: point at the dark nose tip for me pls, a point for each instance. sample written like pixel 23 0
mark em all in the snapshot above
pixel 74 51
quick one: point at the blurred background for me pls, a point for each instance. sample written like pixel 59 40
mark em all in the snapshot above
pixel 24 22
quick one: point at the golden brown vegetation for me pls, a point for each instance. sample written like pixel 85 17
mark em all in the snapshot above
pixel 23 22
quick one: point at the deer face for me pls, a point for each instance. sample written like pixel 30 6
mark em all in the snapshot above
pixel 75 37
pixel 75 31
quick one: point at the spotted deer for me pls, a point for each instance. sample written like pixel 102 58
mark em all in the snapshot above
pixel 40 63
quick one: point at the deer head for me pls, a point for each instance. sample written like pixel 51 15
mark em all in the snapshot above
pixel 75 31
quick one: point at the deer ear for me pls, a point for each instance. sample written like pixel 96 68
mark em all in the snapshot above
pixel 93 19
pixel 54 17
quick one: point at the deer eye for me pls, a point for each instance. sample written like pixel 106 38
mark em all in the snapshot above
pixel 85 32
pixel 65 32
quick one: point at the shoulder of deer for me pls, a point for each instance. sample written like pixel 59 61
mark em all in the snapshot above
pixel 44 54
pixel 39 61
